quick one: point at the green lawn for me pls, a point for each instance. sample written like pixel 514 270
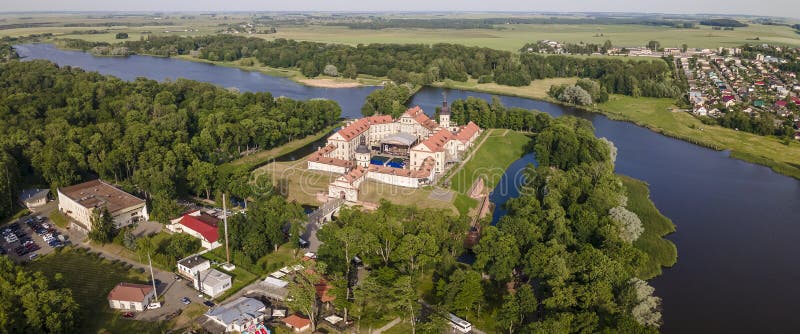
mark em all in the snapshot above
pixel 656 115
pixel 662 252
pixel 91 278
pixel 491 159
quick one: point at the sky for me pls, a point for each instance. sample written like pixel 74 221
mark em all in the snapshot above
pixel 785 8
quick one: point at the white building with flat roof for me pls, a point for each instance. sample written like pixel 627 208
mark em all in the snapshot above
pixel 79 202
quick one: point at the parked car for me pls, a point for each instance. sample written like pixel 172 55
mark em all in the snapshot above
pixel 127 315
pixel 33 256
pixel 208 303
pixel 20 250
pixel 186 301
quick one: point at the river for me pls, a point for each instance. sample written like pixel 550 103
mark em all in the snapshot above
pixel 738 224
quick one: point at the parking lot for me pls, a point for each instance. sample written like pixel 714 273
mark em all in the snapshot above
pixel 30 237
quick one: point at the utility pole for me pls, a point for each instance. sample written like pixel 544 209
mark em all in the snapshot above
pixel 152 276
pixel 225 219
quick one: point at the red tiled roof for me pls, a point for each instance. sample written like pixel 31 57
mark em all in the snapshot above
pixel 204 224
pixel 780 103
pixel 796 100
pixel 354 174
pixel 419 116
pixel 321 156
pixel 436 142
pixel 361 125
pixel 130 292
pixel 467 131
pixel 296 321
pixel 322 291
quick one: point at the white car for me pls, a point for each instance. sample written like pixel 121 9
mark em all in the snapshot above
pixel 11 238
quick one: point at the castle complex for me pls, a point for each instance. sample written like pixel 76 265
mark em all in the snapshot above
pixel 409 151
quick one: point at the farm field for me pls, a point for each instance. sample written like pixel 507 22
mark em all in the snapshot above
pixel 513 37
pixel 91 278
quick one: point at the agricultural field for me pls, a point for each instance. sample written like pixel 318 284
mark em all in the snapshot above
pixel 513 37
pixel 90 278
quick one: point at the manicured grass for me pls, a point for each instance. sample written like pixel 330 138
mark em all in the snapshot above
pixel 661 252
pixel 656 115
pixel 91 278
pixel 464 203
pixel 59 219
pixel 501 148
pixel 299 184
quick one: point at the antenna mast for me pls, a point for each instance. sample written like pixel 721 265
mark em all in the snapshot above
pixel 225 219
pixel 152 277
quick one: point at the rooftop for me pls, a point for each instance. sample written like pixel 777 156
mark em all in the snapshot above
pixel 402 138
pixel 296 321
pixel 96 193
pixel 202 223
pixel 214 277
pixel 240 310
pixel 33 194
pixel 192 261
pixel 130 292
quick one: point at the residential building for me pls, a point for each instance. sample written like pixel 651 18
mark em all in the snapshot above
pixel 200 225
pixel 33 198
pixel 297 323
pixel 205 279
pixel 239 315
pixel 79 202
pixel 131 297
pixel 214 282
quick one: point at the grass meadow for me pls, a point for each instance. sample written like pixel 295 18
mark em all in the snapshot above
pixel 90 278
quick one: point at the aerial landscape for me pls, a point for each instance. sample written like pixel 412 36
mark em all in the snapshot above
pixel 416 167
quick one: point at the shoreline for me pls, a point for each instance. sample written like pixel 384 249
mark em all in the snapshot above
pixel 781 167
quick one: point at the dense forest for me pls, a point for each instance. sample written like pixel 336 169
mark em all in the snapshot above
pixel 418 64
pixel 30 303
pixel 61 125
pixel 562 260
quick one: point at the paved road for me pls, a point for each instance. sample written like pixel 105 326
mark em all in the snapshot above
pixel 172 290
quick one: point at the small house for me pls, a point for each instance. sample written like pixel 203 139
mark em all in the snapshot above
pixel 131 297
pixel 33 198
pixel 297 323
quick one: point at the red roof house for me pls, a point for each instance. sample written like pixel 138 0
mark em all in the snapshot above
pixel 130 297
pixel 780 104
pixel 297 323
pixel 200 225
pixel 796 100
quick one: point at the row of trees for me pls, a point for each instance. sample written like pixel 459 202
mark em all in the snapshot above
pixel 418 64
pixel 30 303
pixel 61 125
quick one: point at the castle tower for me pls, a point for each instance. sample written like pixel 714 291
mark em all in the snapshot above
pixel 444 114
pixel 362 154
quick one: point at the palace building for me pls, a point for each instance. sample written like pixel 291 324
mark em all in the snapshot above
pixel 409 151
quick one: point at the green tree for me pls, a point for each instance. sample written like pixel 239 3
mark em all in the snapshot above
pixel 201 176
pixel 497 253
pixel 509 316
pixel 102 229
pixel 405 298
pixel 303 295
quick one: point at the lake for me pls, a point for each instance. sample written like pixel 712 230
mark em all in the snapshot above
pixel 738 224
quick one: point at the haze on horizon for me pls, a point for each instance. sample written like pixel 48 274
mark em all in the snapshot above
pixel 778 8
